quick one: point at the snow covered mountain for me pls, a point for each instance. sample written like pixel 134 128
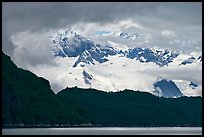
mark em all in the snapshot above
pixel 124 35
pixel 191 59
pixel 166 88
pixel 71 44
pixel 110 68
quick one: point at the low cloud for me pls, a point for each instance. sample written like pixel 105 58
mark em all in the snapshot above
pixel 26 28
pixel 168 33
pixel 32 49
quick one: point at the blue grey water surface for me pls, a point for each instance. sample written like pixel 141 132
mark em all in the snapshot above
pixel 105 131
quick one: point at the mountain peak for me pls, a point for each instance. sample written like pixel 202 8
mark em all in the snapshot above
pixel 166 88
pixel 84 51
pixel 74 45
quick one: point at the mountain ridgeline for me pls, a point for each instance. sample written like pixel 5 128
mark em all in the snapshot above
pixel 71 44
pixel 28 101
pixel 111 56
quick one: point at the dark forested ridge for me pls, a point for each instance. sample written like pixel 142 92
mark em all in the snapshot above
pixel 131 108
pixel 27 100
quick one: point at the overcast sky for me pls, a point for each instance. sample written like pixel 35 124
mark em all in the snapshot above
pixel 27 26
pixel 181 17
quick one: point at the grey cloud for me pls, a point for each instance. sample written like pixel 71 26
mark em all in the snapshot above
pixel 184 18
pixel 37 18
pixel 32 49
pixel 49 15
pixel 188 74
pixel 8 46
pixel 169 14
pixel 56 87
pixel 21 16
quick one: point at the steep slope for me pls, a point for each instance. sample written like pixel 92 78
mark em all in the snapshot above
pixel 112 62
pixel 130 108
pixel 27 100
pixel 71 44
pixel 167 88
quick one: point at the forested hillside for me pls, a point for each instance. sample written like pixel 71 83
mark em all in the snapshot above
pixel 132 108
pixel 28 101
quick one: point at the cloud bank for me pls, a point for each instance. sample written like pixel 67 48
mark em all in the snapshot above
pixel 26 28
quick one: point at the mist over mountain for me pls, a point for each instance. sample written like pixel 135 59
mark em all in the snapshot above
pixel 98 64
pixel 130 46
pixel 28 101
pixel 91 56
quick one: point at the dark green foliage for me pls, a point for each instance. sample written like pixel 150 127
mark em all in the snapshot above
pixel 132 108
pixel 27 100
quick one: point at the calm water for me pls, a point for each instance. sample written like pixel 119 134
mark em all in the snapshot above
pixel 104 131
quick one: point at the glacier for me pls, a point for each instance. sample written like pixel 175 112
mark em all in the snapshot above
pixel 106 66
